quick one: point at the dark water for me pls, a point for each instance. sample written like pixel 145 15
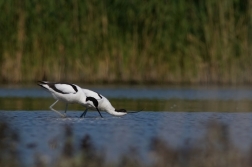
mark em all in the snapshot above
pixel 44 130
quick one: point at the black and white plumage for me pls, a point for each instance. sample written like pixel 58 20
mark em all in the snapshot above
pixel 71 93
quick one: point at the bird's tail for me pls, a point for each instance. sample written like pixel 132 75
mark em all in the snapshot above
pixel 42 83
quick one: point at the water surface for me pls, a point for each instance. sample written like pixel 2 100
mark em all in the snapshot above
pixel 178 115
pixel 116 135
pixel 189 93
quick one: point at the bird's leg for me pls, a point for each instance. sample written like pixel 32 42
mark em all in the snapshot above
pixel 99 112
pixel 84 113
pixel 66 108
pixel 56 110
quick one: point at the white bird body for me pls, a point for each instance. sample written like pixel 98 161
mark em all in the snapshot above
pixel 71 93
pixel 67 94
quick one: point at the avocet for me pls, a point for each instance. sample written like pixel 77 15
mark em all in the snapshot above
pixel 71 93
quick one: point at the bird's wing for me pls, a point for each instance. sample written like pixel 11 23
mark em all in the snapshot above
pixel 63 88
pixel 90 93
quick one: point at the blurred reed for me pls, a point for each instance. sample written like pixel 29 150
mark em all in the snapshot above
pixel 132 41
pixel 214 149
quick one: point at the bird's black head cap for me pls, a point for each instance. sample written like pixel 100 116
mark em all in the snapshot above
pixel 121 110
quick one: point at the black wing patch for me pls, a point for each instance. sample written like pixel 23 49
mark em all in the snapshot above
pixel 52 85
pixel 74 87
pixel 95 102
pixel 99 95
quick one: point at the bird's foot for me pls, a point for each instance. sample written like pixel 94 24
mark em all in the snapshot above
pixel 63 115
pixel 82 116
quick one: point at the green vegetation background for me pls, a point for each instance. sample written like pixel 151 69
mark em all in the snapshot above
pixel 133 41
